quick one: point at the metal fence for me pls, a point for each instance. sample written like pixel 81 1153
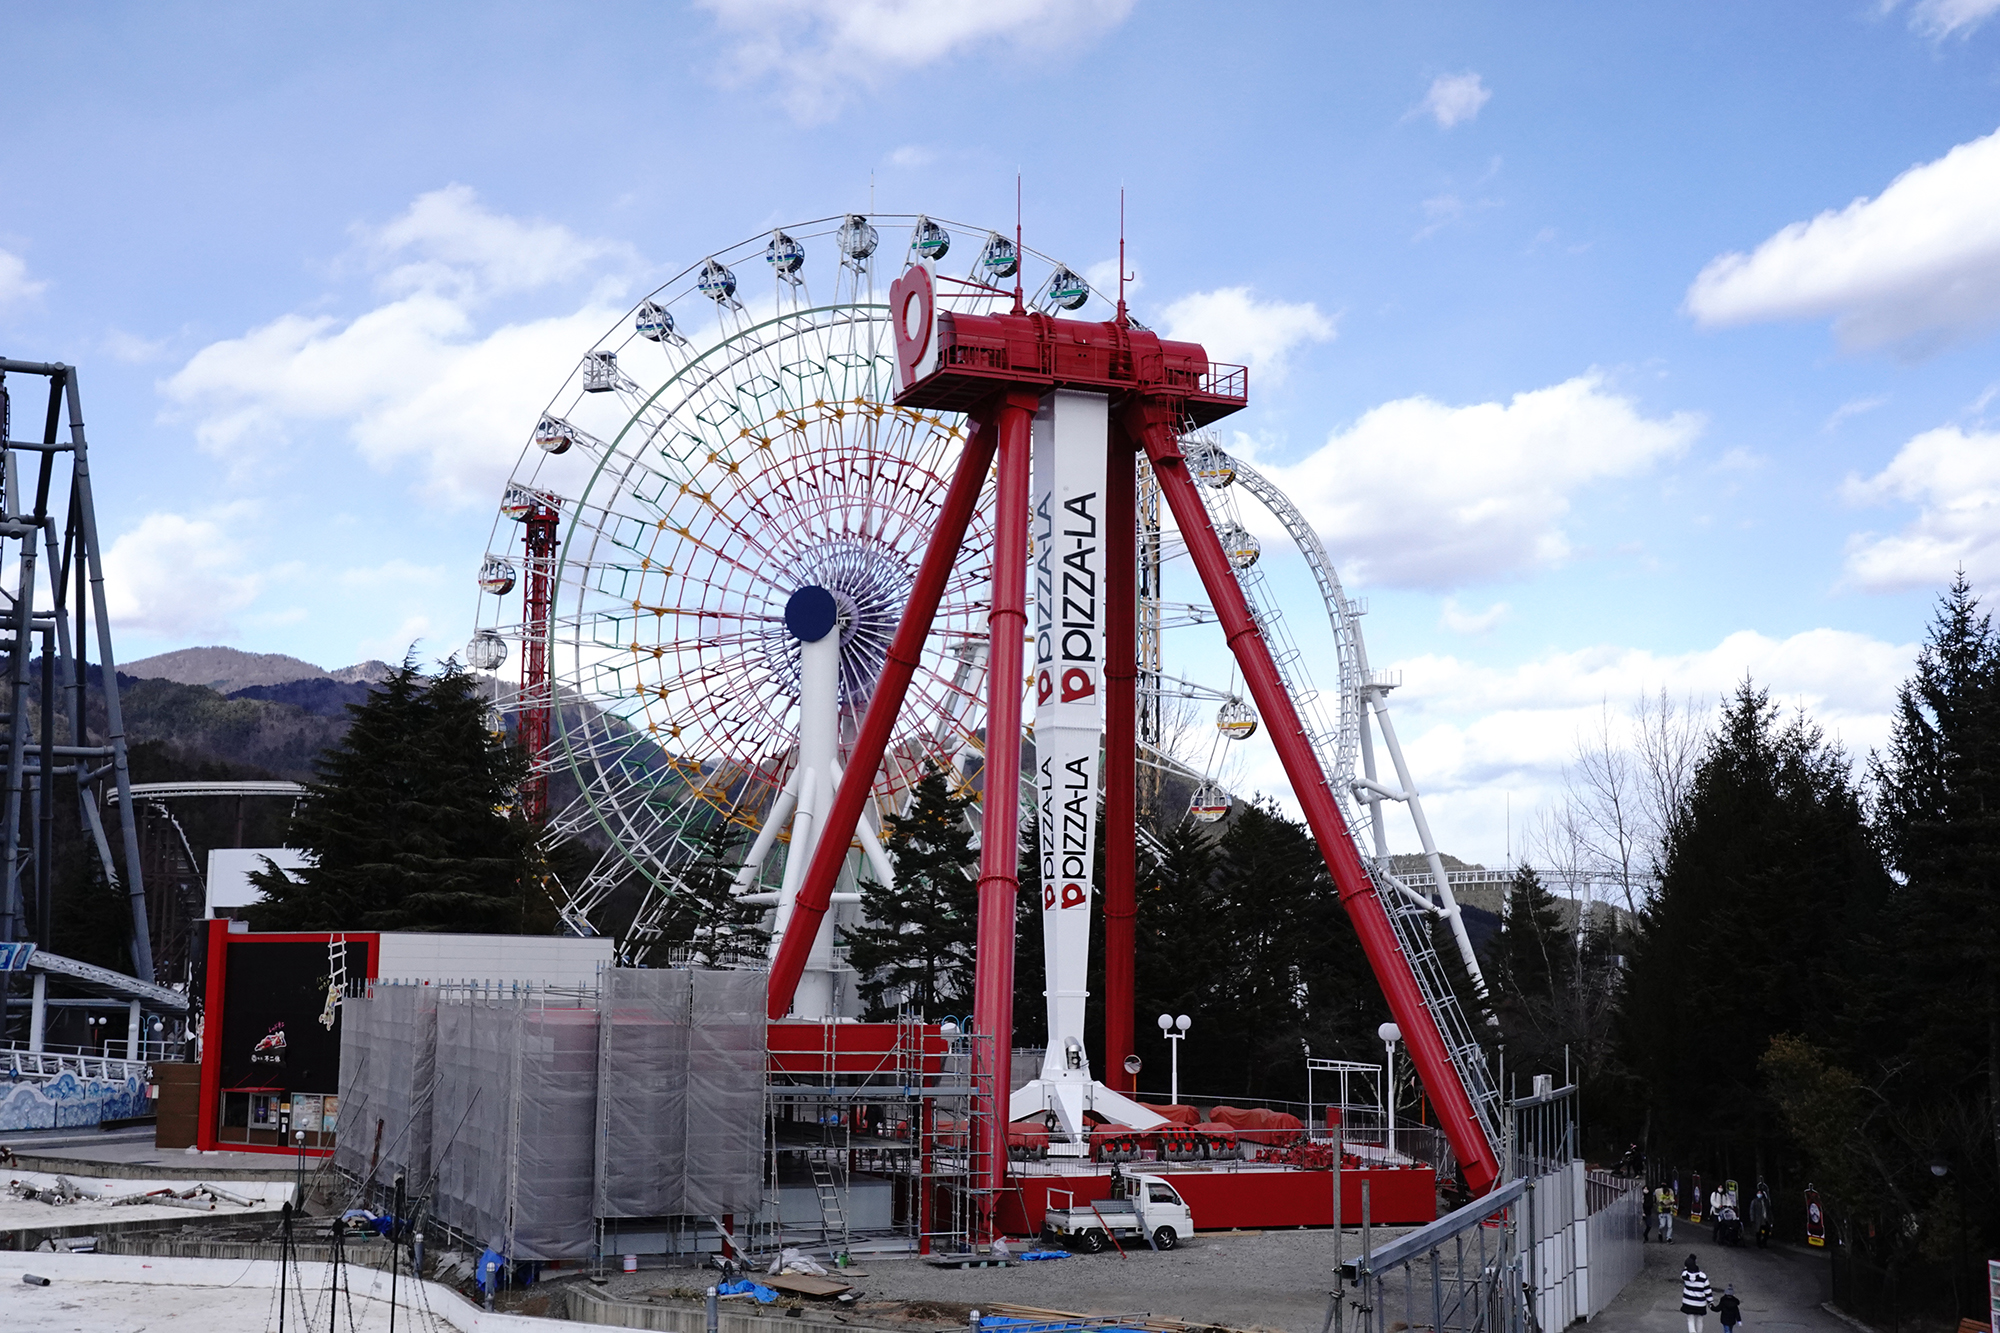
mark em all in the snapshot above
pixel 1617 1240
pixel 1553 1245
pixel 1460 1274
pixel 47 1064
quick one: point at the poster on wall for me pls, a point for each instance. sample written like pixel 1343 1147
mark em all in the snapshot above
pixel 271 1035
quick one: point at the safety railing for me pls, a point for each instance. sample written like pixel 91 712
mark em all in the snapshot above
pixel 1459 1274
pixel 50 1064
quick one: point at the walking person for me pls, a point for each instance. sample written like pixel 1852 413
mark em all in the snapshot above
pixel 1695 1294
pixel 1666 1214
pixel 1731 1309
pixel 1646 1206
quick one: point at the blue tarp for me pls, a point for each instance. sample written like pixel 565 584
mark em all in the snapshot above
pixel 743 1286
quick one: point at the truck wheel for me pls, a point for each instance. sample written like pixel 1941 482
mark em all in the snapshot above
pixel 1166 1238
pixel 1093 1241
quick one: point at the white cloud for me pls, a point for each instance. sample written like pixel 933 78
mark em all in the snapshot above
pixel 1481 738
pixel 391 576
pixel 417 380
pixel 15 284
pixel 1234 326
pixel 1103 277
pixel 1417 493
pixel 131 348
pixel 1954 478
pixel 1853 408
pixel 1918 264
pixel 447 242
pixel 177 577
pixel 1948 18
pixel 822 52
pixel 911 157
pixel 1476 735
pixel 416 631
pixel 1455 98
pixel 1461 621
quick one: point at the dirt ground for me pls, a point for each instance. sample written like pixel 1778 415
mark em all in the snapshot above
pixel 1249 1280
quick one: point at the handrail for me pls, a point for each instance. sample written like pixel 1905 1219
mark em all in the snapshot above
pixel 42 1064
pixel 1433 1234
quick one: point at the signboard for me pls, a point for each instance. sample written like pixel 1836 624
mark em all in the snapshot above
pixel 271 1037
pixel 1069 434
pixel 1815 1218
pixel 14 957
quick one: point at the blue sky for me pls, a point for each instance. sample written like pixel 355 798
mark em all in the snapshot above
pixel 1609 347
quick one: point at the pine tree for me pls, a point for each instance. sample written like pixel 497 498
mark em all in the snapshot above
pixel 1175 930
pixel 919 940
pixel 1770 889
pixel 407 822
pixel 1531 968
pixel 1031 1013
pixel 1260 953
pixel 702 918
pixel 1934 1007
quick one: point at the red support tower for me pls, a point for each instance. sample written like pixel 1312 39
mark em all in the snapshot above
pixel 994 367
pixel 538 598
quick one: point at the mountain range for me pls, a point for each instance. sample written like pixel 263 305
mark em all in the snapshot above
pixel 252 714
pixel 229 670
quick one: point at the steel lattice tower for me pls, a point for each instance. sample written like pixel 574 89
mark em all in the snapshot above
pixel 61 604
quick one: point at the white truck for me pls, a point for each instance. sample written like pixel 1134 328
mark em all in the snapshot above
pixel 1143 1208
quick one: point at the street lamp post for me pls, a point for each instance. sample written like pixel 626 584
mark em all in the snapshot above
pixel 1390 1035
pixel 1168 1026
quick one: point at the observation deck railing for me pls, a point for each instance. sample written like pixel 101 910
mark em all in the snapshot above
pixel 46 1064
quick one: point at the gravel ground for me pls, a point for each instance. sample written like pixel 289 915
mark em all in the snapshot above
pixel 1245 1280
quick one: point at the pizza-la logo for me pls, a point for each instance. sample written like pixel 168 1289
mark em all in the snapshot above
pixel 1072 895
pixel 912 303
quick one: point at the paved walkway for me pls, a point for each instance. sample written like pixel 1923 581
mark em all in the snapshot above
pixel 1781 1288
pixel 130 1152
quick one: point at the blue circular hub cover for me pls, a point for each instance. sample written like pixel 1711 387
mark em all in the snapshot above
pixel 811 613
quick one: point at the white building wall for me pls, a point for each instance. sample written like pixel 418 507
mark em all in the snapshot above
pixel 542 960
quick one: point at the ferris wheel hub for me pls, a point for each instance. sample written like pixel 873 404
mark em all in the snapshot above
pixel 865 585
pixel 811 613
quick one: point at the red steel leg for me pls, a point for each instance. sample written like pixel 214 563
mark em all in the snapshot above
pixel 1121 707
pixel 905 652
pixel 1000 801
pixel 1154 424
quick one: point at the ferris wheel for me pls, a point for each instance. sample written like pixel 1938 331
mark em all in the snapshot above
pixel 731 444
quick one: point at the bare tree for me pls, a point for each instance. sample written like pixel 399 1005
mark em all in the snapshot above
pixel 1671 739
pixel 1622 794
pixel 1608 805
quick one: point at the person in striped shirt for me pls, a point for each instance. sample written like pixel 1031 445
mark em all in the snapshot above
pixel 1695 1294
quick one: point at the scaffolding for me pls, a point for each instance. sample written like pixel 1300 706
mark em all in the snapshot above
pixel 870 1139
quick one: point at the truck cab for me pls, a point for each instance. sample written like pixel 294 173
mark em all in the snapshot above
pixel 1141 1207
pixel 1161 1208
